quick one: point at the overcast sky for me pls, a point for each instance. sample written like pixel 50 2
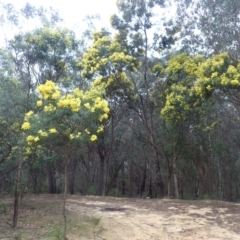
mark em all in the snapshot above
pixel 73 11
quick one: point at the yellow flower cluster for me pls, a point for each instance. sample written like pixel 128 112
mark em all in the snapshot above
pixel 101 104
pixel 214 74
pixel 87 105
pixel 35 139
pixel 31 139
pixel 51 101
pixel 49 108
pixel 102 117
pixel 28 114
pixel 26 126
pixel 70 101
pixel 235 82
pixel 100 129
pixel 93 138
pixel 39 103
pixel 104 52
pixel 53 130
pixel 42 133
pixel 77 92
pixel 49 90
pixel 224 80
pixel 74 136
pixel 201 77
pixel 98 103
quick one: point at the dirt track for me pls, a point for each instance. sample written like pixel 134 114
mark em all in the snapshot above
pixel 125 219
pixel 152 219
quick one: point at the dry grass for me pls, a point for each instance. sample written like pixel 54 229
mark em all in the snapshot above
pixel 40 217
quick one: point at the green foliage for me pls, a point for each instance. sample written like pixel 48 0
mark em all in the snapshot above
pixel 113 192
pixel 56 233
pixel 18 236
pixel 3 207
pixel 132 11
pixel 66 117
pixel 96 227
pixel 91 190
pixel 51 53
pixel 180 79
pixel 158 69
pixel 12 102
pixel 107 61
pixel 87 227
pixel 216 22
pixel 134 21
pixel 11 16
pixel 106 57
pixel 193 80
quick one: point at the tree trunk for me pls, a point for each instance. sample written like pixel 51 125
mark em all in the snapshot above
pixel 150 192
pixel 142 189
pixel 16 200
pixel 99 190
pixel 175 180
pixel 113 178
pixel 123 179
pixel 130 180
pixel 220 191
pixel 212 173
pixel 72 173
pixel 169 185
pixel 65 191
pixel 160 183
pixel 51 180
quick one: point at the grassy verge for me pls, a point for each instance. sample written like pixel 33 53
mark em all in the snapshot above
pixel 41 218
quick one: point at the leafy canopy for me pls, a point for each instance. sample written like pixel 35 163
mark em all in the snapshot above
pixel 66 117
pixel 192 80
pixel 107 61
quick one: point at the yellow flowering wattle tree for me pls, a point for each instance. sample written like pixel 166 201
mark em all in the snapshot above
pixel 193 86
pixel 108 61
pixel 193 79
pixel 64 118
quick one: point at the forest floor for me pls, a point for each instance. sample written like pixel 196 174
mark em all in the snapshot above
pixel 111 218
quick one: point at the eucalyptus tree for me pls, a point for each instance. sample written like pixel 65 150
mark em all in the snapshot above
pixel 13 19
pixel 42 54
pixel 144 35
pixel 12 112
pixel 45 16
pixel 210 26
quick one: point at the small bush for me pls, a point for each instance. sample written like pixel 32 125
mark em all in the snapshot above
pixel 56 233
pixel 17 236
pixel 3 207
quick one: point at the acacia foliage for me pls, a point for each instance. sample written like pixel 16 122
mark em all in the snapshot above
pixel 108 62
pixel 193 79
pixel 66 117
